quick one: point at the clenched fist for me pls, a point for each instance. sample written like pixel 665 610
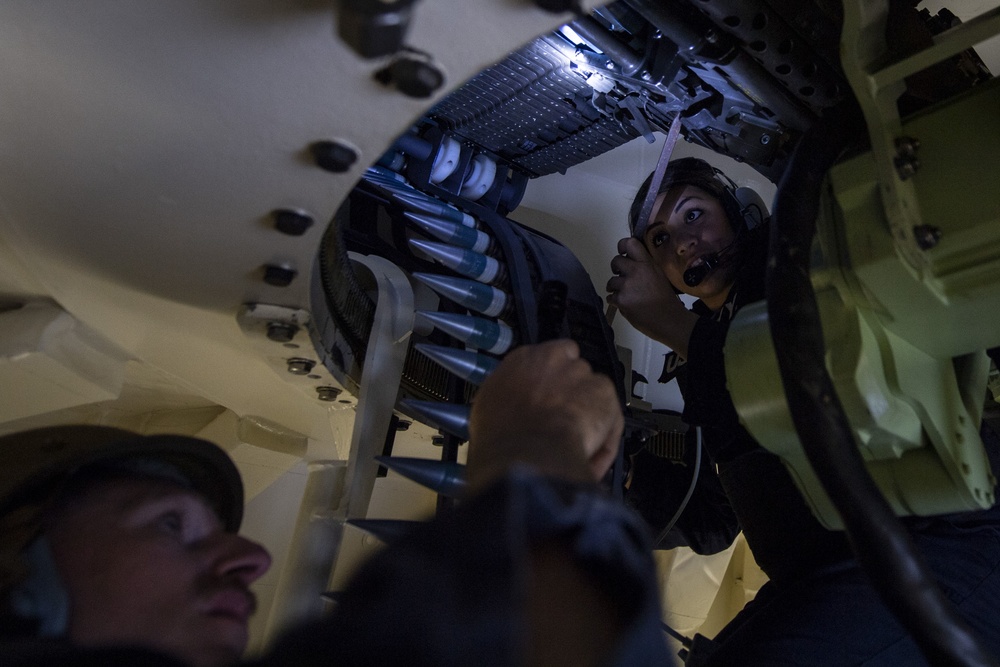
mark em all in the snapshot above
pixel 543 406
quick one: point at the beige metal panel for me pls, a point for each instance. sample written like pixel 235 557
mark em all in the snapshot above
pixel 49 361
pixel 145 144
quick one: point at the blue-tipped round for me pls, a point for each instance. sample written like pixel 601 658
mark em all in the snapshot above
pixel 392 185
pixel 468 365
pixel 470 294
pixel 444 477
pixel 472 264
pixel 424 204
pixel 447 417
pixel 379 172
pixel 386 530
pixel 451 232
pixel 482 334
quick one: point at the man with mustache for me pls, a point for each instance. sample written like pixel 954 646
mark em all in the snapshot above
pixel 112 539
pixel 122 549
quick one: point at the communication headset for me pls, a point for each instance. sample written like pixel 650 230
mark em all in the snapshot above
pixel 747 205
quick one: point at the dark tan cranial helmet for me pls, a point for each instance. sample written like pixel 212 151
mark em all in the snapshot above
pixel 37 465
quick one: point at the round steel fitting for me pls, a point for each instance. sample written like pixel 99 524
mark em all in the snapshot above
pixel 327 393
pixel 299 366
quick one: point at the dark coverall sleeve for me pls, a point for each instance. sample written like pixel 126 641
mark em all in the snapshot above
pixel 452 591
pixel 707 525
pixel 707 402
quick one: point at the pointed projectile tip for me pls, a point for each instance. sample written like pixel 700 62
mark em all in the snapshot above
pixel 399 184
pixel 419 201
pixel 435 250
pixel 442 477
pixel 466 364
pixel 451 231
pixel 467 293
pixel 380 173
pixel 385 530
pixel 429 222
pixel 426 204
pixel 448 417
pixel 469 263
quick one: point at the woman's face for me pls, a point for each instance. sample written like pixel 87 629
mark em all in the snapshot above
pixel 687 225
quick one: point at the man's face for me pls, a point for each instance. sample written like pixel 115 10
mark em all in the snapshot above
pixel 147 563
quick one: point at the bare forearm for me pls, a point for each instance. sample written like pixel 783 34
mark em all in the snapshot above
pixel 672 328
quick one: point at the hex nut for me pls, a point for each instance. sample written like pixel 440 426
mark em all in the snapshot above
pixel 327 393
pixel 300 366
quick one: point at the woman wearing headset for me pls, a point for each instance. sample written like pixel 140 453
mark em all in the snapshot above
pixel 818 608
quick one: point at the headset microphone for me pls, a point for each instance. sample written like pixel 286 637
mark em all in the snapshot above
pixel 694 275
pixel 713 260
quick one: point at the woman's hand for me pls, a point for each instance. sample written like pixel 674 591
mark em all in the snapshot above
pixel 647 299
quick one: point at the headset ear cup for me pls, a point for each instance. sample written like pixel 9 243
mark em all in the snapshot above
pixel 752 206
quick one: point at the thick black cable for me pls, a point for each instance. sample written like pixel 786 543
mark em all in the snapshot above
pixel 883 546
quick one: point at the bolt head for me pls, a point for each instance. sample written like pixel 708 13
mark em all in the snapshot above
pixel 299 366
pixel 765 139
pixel 333 156
pixel 907 145
pixel 281 332
pixel 279 276
pixel 293 223
pixel 327 393
pixel 906 167
pixel 412 77
pixel 374 29
pixel 926 236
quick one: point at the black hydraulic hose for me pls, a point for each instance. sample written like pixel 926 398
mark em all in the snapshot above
pixel 883 546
